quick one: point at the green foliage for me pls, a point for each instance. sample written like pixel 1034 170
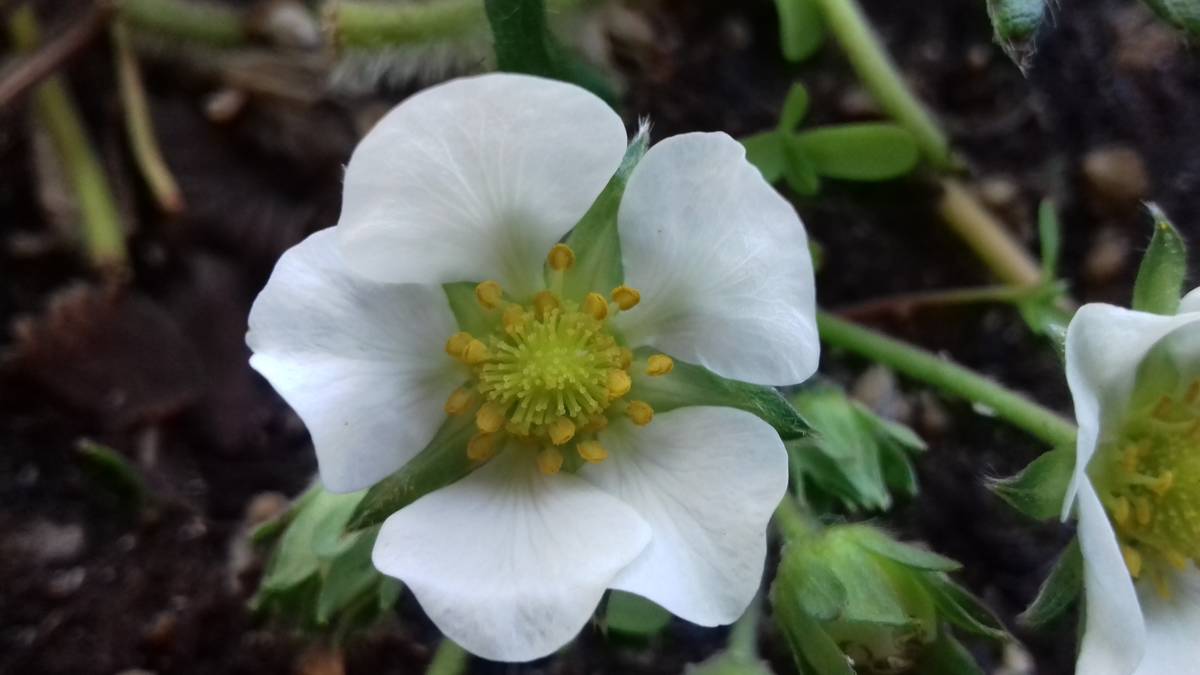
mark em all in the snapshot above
pixel 524 44
pixel 692 385
pixel 1015 20
pixel 801 28
pixel 855 152
pixel 946 656
pixel 1160 278
pixel 633 616
pixel 595 239
pixel 855 459
pixel 1038 491
pixel 1060 590
pixel 441 463
pixel 1042 307
pixel 1183 14
pixel 110 472
pixel 320 579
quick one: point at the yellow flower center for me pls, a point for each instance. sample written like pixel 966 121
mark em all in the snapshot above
pixel 1149 480
pixel 550 372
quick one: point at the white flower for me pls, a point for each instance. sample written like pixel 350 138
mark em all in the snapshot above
pixel 1135 380
pixel 476 180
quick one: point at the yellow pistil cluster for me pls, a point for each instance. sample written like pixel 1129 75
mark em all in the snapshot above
pixel 1149 481
pixel 551 371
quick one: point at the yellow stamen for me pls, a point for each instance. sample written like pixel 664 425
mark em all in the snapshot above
pixel 475 352
pixel 659 364
pixel 561 430
pixel 1161 585
pixel 640 412
pixel 1176 559
pixel 626 358
pixel 1162 485
pixel 489 295
pixel 1121 511
pixel 626 298
pixel 561 258
pixel 513 318
pixel 1141 508
pixel 550 460
pixel 597 423
pixel 1133 560
pixel 482 446
pixel 619 383
pixel 592 452
pixel 457 343
pixel 459 401
pixel 544 302
pixel 595 306
pixel 490 417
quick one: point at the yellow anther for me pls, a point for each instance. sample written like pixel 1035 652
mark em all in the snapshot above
pixel 550 460
pixel 1176 559
pixel 1121 511
pixel 544 302
pixel 459 401
pixel 595 306
pixel 561 430
pixel 490 417
pixel 659 364
pixel 489 295
pixel 1133 560
pixel 1130 458
pixel 592 452
pixel 619 383
pixel 626 297
pixel 1141 509
pixel 626 358
pixel 513 318
pixel 640 412
pixel 597 423
pixel 457 343
pixel 561 258
pixel 1162 485
pixel 1161 585
pixel 475 352
pixel 482 446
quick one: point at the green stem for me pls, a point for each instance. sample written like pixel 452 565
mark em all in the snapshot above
pixel 876 70
pixel 372 24
pixel 102 234
pixel 919 364
pixel 1007 259
pixel 743 637
pixel 449 659
pixel 199 22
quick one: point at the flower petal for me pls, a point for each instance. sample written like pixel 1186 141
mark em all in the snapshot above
pixel 476 179
pixel 707 480
pixel 361 362
pixel 1105 346
pixel 1172 626
pixel 1190 302
pixel 721 261
pixel 507 562
pixel 1114 636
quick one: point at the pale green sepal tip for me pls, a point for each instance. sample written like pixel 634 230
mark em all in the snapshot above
pixel 905 554
pixel 962 609
pixel 1160 278
pixel 1038 490
pixel 1058 592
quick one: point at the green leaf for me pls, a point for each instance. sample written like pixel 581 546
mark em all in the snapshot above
pixel 946 656
pixel 795 107
pixel 801 28
pixel 441 463
pixel 350 576
pixel 1183 14
pixel 765 151
pixel 798 169
pixel 692 385
pixel 863 152
pixel 1050 237
pixel 900 552
pixel 956 605
pixel 812 648
pixel 1160 278
pixel 317 527
pixel 595 239
pixel 471 317
pixel 1060 590
pixel 632 615
pixel 1038 491
pixel 110 471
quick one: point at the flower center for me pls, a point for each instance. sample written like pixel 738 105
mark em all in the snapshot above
pixel 550 372
pixel 1150 485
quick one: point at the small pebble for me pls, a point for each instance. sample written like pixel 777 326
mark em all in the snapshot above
pixel 1116 175
pixel 48 543
pixel 1107 257
pixel 265 506
pixel 64 584
pixel 857 103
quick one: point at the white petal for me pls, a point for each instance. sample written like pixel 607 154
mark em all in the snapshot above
pixel 707 480
pixel 507 562
pixel 1190 302
pixel 1105 346
pixel 721 261
pixel 361 362
pixel 476 179
pixel 1172 626
pixel 1114 636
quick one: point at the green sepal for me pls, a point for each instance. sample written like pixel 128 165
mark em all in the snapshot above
pixel 692 385
pixel 801 28
pixel 469 314
pixel 795 107
pixel 595 239
pixel 905 554
pixel 1059 591
pixel 1039 489
pixel 634 616
pixel 958 606
pixel 1160 278
pixel 812 648
pixel 811 583
pixel 350 575
pixel 441 463
pixel 946 656
pixel 315 533
pixel 730 662
pixel 863 152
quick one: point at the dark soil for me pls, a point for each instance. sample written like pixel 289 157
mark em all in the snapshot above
pixel 157 369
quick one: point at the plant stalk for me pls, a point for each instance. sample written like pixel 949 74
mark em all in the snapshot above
pixel 1007 259
pixel 200 22
pixel 449 659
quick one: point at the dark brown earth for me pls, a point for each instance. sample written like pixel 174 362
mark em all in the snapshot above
pixel 157 370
